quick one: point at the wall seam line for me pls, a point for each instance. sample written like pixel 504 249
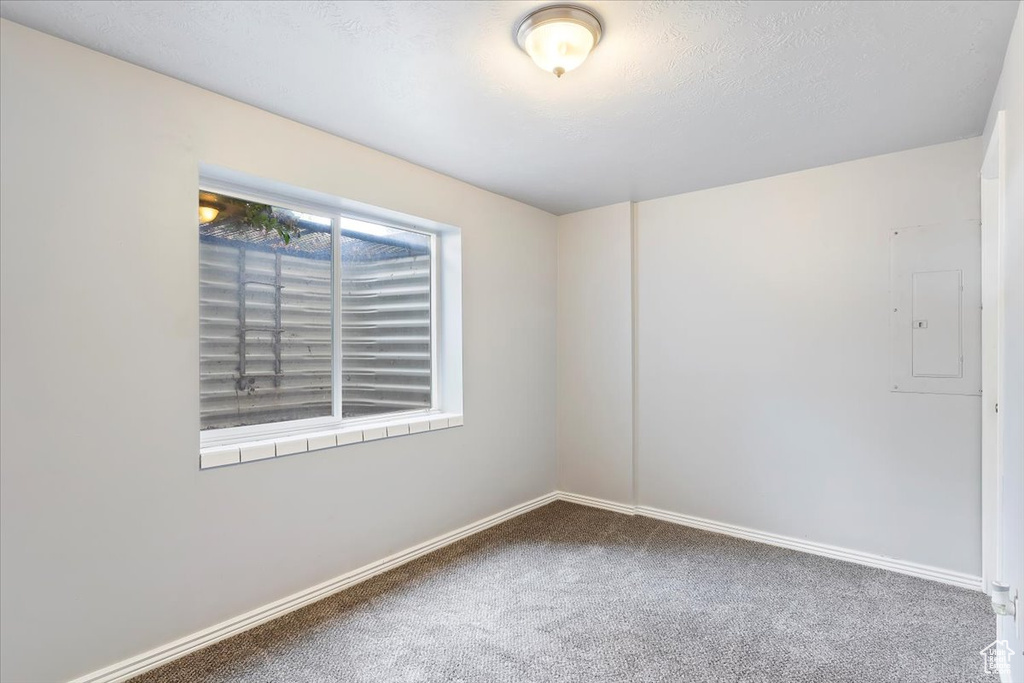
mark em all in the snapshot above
pixel 634 359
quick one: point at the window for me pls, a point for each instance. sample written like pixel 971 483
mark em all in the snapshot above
pixel 265 315
pixel 385 320
pixel 319 323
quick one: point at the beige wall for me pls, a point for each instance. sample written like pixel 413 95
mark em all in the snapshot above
pixel 763 349
pixel 763 360
pixel 595 375
pixel 113 541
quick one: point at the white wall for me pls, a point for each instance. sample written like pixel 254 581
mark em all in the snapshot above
pixel 113 540
pixel 595 375
pixel 1009 97
pixel 763 349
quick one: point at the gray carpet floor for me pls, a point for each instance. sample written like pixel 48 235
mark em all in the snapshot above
pixel 570 593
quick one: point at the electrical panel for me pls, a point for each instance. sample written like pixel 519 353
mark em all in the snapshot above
pixel 935 290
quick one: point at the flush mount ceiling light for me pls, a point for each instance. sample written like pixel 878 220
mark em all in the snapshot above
pixel 559 37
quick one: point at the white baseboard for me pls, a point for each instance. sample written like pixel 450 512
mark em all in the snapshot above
pixel 139 664
pixel 595 502
pixel 922 571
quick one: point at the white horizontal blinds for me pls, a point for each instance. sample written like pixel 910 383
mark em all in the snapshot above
pixel 385 283
pixel 265 319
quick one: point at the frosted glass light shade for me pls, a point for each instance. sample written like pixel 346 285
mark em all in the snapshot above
pixel 559 38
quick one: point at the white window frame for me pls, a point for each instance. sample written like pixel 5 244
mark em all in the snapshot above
pixel 232 445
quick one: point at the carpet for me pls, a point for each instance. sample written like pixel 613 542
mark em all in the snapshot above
pixel 568 593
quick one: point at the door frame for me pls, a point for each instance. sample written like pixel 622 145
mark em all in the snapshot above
pixel 993 279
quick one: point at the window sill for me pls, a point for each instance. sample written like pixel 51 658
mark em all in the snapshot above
pixel 221 456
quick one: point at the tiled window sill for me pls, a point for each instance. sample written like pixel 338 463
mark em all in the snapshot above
pixel 220 456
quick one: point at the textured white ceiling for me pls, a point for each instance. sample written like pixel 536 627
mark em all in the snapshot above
pixel 678 96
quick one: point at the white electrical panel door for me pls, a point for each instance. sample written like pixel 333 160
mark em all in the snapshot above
pixel 937 348
pixel 935 285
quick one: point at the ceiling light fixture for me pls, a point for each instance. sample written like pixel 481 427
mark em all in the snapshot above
pixel 559 37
